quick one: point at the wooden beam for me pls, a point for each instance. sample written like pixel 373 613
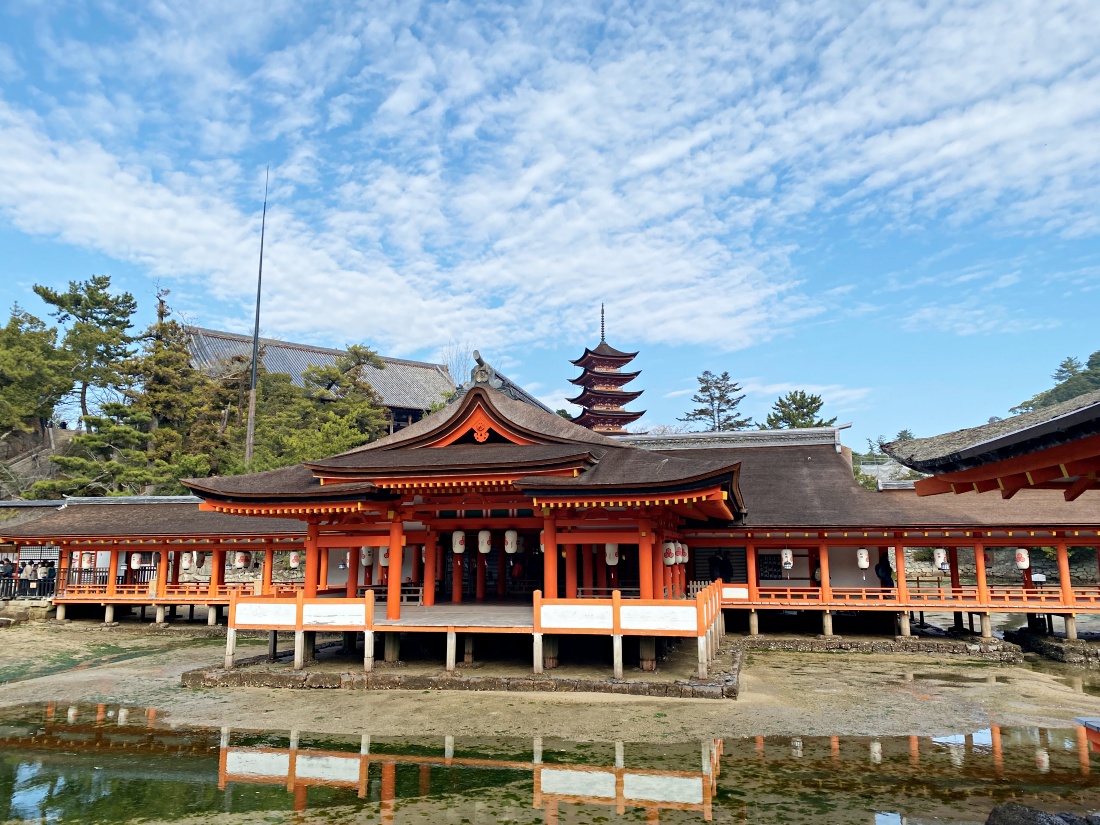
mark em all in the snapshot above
pixel 931 487
pixel 1011 485
pixel 1083 483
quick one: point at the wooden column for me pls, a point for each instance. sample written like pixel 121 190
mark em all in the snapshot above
pixel 1064 579
pixel 162 575
pixel 313 562
pixel 666 579
pixel 393 588
pixel 600 560
pixel 479 588
pixel 322 578
pixel 953 562
pixel 217 571
pixel 549 557
pixel 979 573
pixel 430 550
pixel 658 568
pixel 750 566
pixel 352 589
pixel 112 572
pixel 502 572
pixel 456 577
pixel 415 564
pixel 570 571
pixel 176 556
pixel 899 563
pixel 823 560
pixel 269 569
pixel 64 558
pixel 645 561
pixel 588 580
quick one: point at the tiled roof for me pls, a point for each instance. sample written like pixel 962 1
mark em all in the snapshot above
pixel 413 385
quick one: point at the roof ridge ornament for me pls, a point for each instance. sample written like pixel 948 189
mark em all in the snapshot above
pixel 602 337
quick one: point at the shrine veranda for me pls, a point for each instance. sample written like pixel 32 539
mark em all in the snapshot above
pixel 505 518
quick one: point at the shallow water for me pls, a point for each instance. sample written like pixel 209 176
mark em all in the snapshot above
pixel 104 764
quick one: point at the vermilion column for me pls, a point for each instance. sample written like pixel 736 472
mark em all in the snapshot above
pixel 666 578
pixel 456 577
pixel 352 589
pixel 549 558
pixel 322 579
pixel 823 560
pixel 979 573
pixel 750 566
pixel 1064 580
pixel 587 575
pixel 658 568
pixel 112 572
pixel 162 575
pixel 217 571
pixel 479 589
pixel 502 572
pixel 313 562
pixel 176 556
pixel 570 571
pixel 393 588
pixel 899 563
pixel 430 550
pixel 269 569
pixel 645 562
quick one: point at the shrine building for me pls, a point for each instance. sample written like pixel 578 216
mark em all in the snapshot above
pixel 496 516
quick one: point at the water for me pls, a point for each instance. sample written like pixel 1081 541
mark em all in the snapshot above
pixel 102 764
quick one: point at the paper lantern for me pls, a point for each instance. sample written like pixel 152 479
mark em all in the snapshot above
pixel 1023 559
pixel 511 541
pixel 458 542
pixel 863 558
pixel 295 560
pixel 366 556
pixel 939 557
pixel 135 561
pixel 786 558
pixel 668 553
pixel 384 557
pixel 87 561
pixel 484 542
pixel 611 554
pixel 242 560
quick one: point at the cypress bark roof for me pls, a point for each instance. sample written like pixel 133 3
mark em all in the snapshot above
pixel 1025 433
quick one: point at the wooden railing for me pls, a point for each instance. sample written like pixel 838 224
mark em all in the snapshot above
pixel 920 596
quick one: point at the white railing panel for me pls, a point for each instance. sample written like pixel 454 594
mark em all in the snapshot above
pixel 649 788
pixel 599 784
pixel 577 617
pixel 278 615
pixel 252 763
pixel 327 768
pixel 659 617
pixel 734 592
pixel 322 615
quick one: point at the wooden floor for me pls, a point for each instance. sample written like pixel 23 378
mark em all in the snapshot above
pixel 519 616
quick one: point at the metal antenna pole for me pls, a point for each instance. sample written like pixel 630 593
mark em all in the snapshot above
pixel 250 432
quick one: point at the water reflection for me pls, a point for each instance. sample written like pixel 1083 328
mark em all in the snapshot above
pixel 96 763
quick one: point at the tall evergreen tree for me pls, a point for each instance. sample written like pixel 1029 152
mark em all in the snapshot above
pixel 795 410
pixel 718 400
pixel 34 374
pixel 97 333
pixel 1072 379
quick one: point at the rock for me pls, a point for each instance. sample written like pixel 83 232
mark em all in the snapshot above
pixel 1010 813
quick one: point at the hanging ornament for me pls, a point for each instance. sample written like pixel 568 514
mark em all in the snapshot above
pixel 458 542
pixel 511 541
pixel 1023 559
pixel 295 560
pixel 366 556
pixel 863 561
pixel 484 542
pixel 611 554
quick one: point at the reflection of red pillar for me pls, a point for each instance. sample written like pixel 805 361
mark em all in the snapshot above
pixel 998 757
pixel 834 749
pixel 570 571
pixel 425 784
pixel 456 577
pixel 482 563
pixel 914 751
pixel 550 812
pixel 1083 750
pixel 300 797
pixel 389 791
pixel 760 746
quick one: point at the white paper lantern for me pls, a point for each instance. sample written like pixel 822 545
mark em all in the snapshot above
pixel 241 560
pixel 484 542
pixel 668 553
pixel 135 561
pixel 511 541
pixel 681 553
pixel 185 561
pixel 366 556
pixel 611 554
pixel 458 542
pixel 863 558
pixel 786 558
pixel 1023 559
pixel 87 561
pixel 384 557
pixel 939 558
pixel 295 560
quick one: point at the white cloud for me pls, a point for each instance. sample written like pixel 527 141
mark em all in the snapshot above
pixel 972 317
pixel 837 398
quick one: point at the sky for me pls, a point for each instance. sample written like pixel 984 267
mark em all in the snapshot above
pixel 890 204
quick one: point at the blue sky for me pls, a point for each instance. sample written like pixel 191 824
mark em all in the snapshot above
pixel 892 204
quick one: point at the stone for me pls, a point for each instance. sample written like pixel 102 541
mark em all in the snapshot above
pixel 323 680
pixel 1009 813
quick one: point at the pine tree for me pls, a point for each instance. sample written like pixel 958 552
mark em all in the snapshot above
pixel 34 374
pixel 98 331
pixel 795 410
pixel 718 400
pixel 1067 369
pixel 1073 379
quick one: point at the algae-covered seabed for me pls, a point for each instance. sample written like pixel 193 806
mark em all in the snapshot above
pixel 781 694
pixel 805 695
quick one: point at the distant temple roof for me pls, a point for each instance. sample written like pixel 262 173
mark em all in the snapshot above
pixel 412 385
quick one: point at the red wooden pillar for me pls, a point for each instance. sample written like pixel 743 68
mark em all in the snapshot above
pixel 601 569
pixel 112 572
pixel 899 563
pixel 751 573
pixel 549 558
pixel 162 575
pixel 658 569
pixel 479 588
pixel 666 578
pixel 456 577
pixel 979 573
pixel 587 573
pixel 502 572
pixel 313 563
pixel 322 578
pixel 352 589
pixel 64 557
pixel 645 562
pixel 393 584
pixel 176 556
pixel 269 569
pixel 570 571
pixel 823 560
pixel 1064 580
pixel 430 551
pixel 217 571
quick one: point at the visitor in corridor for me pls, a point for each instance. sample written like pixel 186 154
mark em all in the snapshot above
pixel 884 572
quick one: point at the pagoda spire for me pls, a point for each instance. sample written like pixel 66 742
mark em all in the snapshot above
pixel 602 398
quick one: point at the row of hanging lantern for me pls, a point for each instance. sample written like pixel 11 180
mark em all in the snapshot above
pixel 939 558
pixel 674 552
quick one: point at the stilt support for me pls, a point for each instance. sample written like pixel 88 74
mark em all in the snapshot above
pixel 393 647
pixel 827 623
pixel 468 648
pixel 537 645
pixel 61 612
pixel 368 651
pixel 108 614
pixel 190 612
pixel 160 614
pixel 987 626
pixel 550 652
pixel 617 655
pixel 299 649
pixel 230 647
pixel 903 624
pixel 311 645
pixel 211 615
pixel 702 644
pixel 647 653
pixel 1071 626
pixel 452 650
pixel 272 645
pixel 754 623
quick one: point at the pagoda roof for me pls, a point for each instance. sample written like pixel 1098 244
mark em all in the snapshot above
pixel 620 416
pixel 625 377
pixel 604 352
pixel 617 396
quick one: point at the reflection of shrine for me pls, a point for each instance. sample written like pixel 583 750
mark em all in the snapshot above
pixel 554 784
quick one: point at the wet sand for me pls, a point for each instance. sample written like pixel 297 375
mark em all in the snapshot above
pixel 781 694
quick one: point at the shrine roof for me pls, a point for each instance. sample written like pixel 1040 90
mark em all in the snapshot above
pixel 1019 435
pixel 625 377
pixel 292 483
pixel 403 384
pixel 604 350
pixel 632 468
pixel 143 520
pixel 458 456
pixel 813 485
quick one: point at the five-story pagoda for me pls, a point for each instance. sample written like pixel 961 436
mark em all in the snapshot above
pixel 602 398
